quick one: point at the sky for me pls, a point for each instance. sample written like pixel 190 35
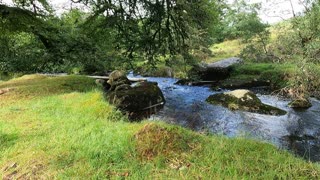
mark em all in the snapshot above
pixel 276 10
pixel 272 10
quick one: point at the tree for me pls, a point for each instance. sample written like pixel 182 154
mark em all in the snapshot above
pixel 40 43
pixel 153 29
pixel 299 44
pixel 241 20
pixel 137 29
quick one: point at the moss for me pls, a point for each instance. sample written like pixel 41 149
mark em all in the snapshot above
pixel 267 109
pixel 233 106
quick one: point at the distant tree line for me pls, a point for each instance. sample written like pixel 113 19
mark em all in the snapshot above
pixel 129 33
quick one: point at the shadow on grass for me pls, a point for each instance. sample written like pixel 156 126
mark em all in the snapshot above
pixel 30 86
pixel 7 140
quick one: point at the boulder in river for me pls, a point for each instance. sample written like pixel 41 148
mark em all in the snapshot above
pixel 302 103
pixel 215 71
pixel 244 100
pixel 138 100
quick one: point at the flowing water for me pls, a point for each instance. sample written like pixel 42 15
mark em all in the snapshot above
pixel 298 131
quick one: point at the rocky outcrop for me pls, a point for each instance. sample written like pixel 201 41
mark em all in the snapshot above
pixel 300 103
pixel 244 100
pixel 138 100
pixel 214 71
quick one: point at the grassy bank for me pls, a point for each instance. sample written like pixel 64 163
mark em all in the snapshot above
pixel 226 49
pixel 279 75
pixel 62 128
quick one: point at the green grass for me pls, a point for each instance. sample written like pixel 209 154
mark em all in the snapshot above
pixel 226 49
pixel 278 74
pixel 60 128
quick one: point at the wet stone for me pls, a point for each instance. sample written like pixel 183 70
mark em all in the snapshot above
pixel 300 103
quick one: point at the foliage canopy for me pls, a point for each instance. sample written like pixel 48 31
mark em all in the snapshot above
pixel 114 32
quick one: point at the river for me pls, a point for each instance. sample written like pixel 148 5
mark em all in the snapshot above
pixel 297 131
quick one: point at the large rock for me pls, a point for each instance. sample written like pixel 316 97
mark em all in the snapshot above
pixel 139 100
pixel 215 71
pixel 244 100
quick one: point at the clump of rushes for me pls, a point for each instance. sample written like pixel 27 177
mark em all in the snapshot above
pixel 153 140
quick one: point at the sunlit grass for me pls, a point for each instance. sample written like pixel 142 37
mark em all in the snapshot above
pixel 62 128
pixel 226 49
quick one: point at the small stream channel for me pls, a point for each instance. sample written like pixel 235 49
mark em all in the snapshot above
pixel 297 131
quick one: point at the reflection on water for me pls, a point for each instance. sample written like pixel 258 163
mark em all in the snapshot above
pixel 298 131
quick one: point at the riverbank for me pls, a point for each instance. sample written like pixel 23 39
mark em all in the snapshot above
pixel 59 127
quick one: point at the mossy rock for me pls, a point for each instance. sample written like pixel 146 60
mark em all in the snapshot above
pixel 300 103
pixel 139 101
pixel 118 76
pixel 244 100
pixel 117 81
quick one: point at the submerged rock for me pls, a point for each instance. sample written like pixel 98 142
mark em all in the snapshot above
pixel 139 100
pixel 300 103
pixel 244 100
pixel 215 71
